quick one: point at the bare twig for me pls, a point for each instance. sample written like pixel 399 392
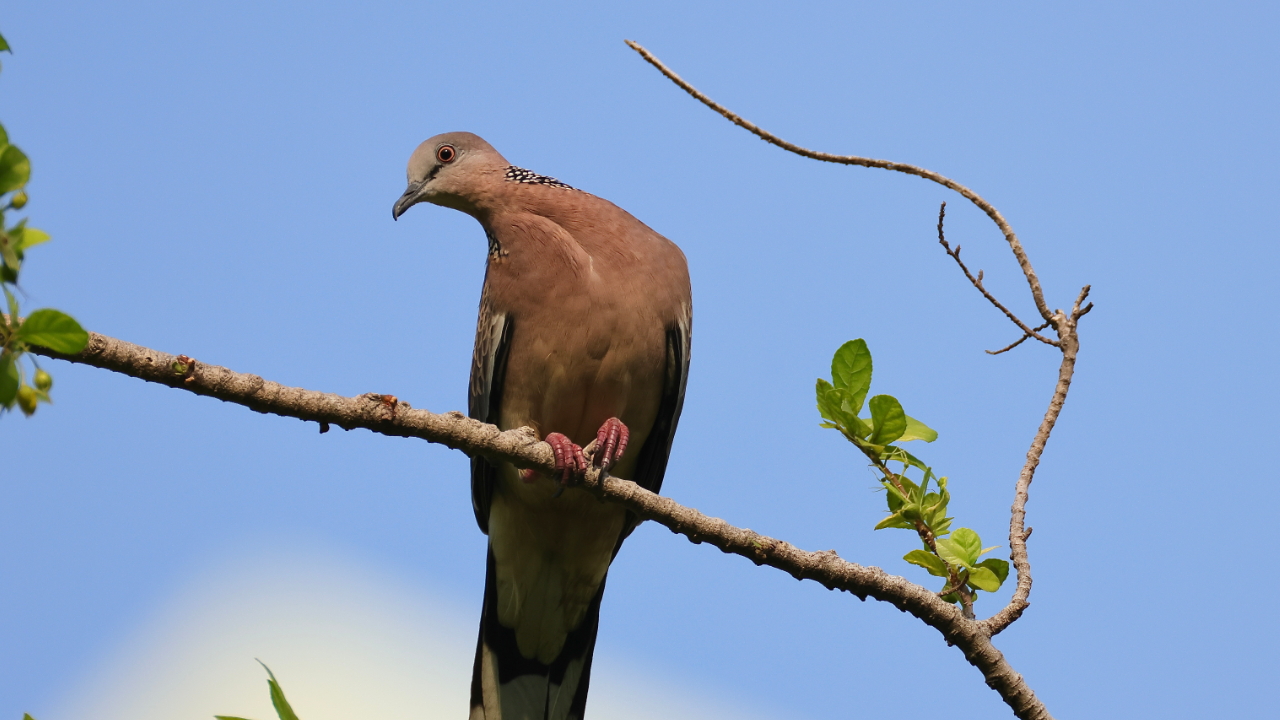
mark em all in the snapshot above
pixel 387 415
pixel 1017 342
pixel 986 207
pixel 977 282
pixel 1076 311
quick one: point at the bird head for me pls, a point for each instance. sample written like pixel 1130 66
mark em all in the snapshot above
pixel 446 169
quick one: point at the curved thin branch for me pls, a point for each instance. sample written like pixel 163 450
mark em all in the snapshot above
pixel 973 197
pixel 1070 343
pixel 386 415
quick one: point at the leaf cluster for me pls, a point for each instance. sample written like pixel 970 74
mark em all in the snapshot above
pixel 48 328
pixel 959 554
pixel 912 505
pixel 840 403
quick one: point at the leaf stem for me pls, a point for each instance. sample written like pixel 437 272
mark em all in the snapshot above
pixel 956 584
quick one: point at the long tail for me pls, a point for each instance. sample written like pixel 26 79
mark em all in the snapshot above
pixel 507 686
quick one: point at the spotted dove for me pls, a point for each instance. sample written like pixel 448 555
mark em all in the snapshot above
pixel 583 336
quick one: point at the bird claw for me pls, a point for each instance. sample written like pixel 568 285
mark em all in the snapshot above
pixel 611 443
pixel 569 458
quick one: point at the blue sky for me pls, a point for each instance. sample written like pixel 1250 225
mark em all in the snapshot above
pixel 218 181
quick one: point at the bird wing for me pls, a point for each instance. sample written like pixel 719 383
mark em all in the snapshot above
pixel 484 402
pixel 651 466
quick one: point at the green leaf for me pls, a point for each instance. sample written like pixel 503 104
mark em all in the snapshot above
pixel 13 307
pixel 888 420
pixel 9 381
pixel 830 405
pixel 983 579
pixel 53 329
pixel 227 717
pixel 841 407
pixel 277 696
pixel 917 430
pixel 25 716
pixel 987 550
pixel 15 169
pixel 826 402
pixel 9 252
pixel 950 552
pixel 914 491
pixel 282 706
pixel 26 237
pixel 4 136
pixel 941 528
pixel 894 501
pixel 895 496
pixel 961 548
pixel 4 47
pixel 937 498
pixel 971 543
pixel 935 510
pixel 859 427
pixel 894 521
pixel 928 561
pixel 997 566
pixel 869 447
pixel 851 370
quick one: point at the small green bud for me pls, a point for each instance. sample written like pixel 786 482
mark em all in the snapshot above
pixel 27 400
pixel 19 200
pixel 43 381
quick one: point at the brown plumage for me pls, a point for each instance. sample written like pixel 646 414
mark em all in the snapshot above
pixel 583 335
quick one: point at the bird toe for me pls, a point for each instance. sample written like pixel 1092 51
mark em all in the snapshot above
pixel 569 458
pixel 611 443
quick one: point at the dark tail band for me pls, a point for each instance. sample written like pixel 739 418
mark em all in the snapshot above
pixel 505 685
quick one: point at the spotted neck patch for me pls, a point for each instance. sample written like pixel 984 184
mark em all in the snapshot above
pixel 495 247
pixel 520 175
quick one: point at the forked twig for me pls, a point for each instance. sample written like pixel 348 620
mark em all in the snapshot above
pixel 977 282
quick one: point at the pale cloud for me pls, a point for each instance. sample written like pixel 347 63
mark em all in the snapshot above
pixel 345 642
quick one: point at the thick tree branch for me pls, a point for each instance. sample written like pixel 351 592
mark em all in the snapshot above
pixel 386 415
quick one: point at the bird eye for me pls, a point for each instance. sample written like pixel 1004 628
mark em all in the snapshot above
pixel 446 153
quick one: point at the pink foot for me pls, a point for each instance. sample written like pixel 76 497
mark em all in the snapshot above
pixel 611 442
pixel 569 460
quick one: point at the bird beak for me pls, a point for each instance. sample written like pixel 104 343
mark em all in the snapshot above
pixel 407 200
